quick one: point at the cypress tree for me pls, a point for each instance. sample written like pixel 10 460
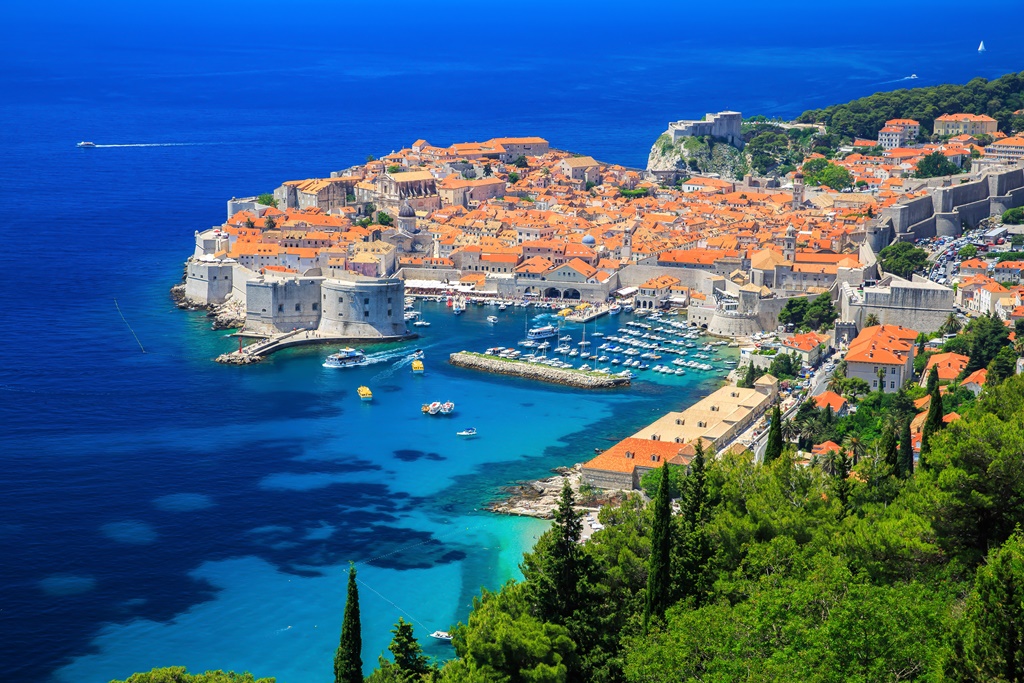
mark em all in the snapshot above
pixel 905 467
pixel 889 446
pixel 933 379
pixel 774 447
pixel 696 491
pixel 348 659
pixel 933 422
pixel 659 562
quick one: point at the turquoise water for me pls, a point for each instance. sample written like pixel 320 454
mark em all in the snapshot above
pixel 330 479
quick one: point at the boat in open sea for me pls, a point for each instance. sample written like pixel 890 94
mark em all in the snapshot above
pixel 345 358
pixel 364 393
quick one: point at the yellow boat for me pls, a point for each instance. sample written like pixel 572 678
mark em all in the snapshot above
pixel 417 367
pixel 365 394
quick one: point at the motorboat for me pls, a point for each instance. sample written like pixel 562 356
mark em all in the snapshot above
pixel 468 432
pixel 364 393
pixel 344 358
pixel 492 319
pixel 442 635
pixel 447 408
pixel 85 144
pixel 417 367
pixel 543 332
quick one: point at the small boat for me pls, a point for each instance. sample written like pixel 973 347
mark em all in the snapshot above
pixel 447 408
pixel 344 358
pixel 86 144
pixel 442 635
pixel 469 431
pixel 492 319
pixel 417 367
pixel 364 394
pixel 981 47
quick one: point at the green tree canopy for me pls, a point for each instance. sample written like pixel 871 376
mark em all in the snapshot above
pixel 934 165
pixel 902 259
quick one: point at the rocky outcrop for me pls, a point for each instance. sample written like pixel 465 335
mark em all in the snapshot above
pixel 697 155
pixel 543 373
pixel 228 315
pixel 540 498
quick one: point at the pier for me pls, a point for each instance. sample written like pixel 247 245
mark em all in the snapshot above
pixel 254 353
pixel 574 378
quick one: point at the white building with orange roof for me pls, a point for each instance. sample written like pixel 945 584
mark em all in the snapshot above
pixel 971 124
pixel 655 292
pixel 887 348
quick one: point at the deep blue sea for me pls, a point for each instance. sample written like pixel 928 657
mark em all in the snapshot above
pixel 160 509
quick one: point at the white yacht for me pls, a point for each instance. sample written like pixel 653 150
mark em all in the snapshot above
pixel 345 358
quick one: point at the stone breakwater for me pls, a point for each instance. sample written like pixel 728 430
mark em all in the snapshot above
pixel 543 373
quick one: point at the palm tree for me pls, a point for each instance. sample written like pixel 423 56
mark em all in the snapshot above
pixel 871 320
pixel 855 446
pixel 790 432
pixel 951 325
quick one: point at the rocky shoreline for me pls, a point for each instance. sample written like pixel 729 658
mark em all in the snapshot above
pixel 543 373
pixel 539 498
pixel 229 315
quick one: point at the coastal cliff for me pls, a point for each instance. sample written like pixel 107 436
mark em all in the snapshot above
pixel 697 155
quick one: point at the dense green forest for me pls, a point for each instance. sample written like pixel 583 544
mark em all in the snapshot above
pixel 864 117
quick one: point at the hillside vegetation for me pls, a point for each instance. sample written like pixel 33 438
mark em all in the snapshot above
pixel 864 117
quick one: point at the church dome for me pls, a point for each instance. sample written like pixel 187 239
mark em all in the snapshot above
pixel 589 240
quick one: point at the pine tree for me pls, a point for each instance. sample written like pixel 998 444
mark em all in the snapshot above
pixel 659 562
pixel 408 654
pixel 348 659
pixel 905 466
pixel 774 447
pixel 995 611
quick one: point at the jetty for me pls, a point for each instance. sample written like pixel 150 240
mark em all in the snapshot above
pixel 254 353
pixel 581 379
pixel 587 314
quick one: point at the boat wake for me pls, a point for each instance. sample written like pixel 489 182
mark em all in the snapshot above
pixel 165 144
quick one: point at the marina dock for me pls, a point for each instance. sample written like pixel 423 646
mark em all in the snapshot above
pixel 254 353
pixel 574 378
